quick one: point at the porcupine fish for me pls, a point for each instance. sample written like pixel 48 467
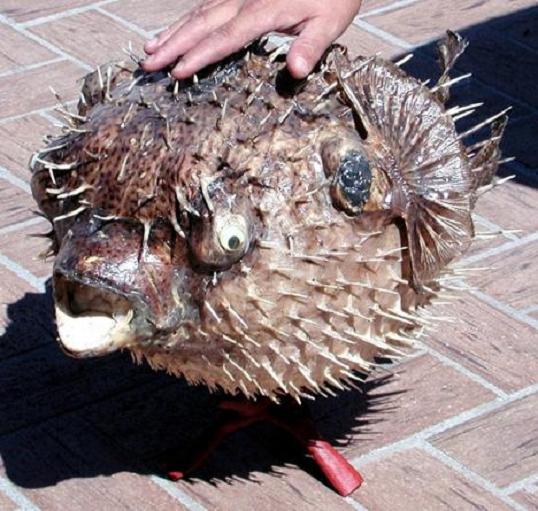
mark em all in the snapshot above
pixel 256 234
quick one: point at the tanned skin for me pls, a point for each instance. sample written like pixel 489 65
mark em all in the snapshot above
pixel 217 28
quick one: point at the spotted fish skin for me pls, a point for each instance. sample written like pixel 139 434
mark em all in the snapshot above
pixel 261 235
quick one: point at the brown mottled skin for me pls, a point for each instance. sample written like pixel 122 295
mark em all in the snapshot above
pixel 155 177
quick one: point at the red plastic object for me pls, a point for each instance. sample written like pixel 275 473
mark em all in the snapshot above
pixel 342 476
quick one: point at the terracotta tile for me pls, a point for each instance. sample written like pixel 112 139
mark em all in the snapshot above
pixel 361 42
pixel 12 289
pixel 20 138
pixel 91 36
pixel 488 342
pixel 17 50
pixel 513 280
pixel 412 480
pixel 527 499
pixel 24 247
pixel 370 5
pixel 16 204
pixel 65 464
pixel 418 23
pixel 27 91
pixel 289 488
pixel 421 393
pixel 258 466
pixel 116 491
pixel 24 11
pixel 500 446
pixel 253 465
pixel 510 206
pixel 151 15
pixel 492 238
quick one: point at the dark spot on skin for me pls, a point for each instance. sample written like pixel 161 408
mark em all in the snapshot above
pixel 354 179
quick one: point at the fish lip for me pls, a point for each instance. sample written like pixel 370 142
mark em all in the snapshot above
pixel 88 353
pixel 62 283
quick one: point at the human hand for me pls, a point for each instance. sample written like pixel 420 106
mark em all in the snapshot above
pixel 218 28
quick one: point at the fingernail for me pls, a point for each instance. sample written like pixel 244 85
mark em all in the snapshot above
pixel 177 68
pixel 148 61
pixel 301 67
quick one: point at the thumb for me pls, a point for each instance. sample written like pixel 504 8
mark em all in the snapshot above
pixel 308 48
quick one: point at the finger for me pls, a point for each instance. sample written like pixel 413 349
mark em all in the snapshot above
pixel 163 36
pixel 309 47
pixel 189 34
pixel 223 41
pixel 151 46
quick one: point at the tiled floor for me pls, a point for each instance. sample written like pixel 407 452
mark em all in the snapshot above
pixel 455 427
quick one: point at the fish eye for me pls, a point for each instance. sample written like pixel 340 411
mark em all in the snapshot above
pixel 352 183
pixel 233 235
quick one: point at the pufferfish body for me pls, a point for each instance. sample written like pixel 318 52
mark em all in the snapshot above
pixel 253 233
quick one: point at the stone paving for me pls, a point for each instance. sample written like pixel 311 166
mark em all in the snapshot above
pixel 453 427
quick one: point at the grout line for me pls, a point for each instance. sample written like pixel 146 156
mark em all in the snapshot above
pixel 131 26
pixel 22 273
pixel 14 180
pixel 5 20
pixel 16 495
pixel 44 110
pixel 55 121
pixel 386 36
pixel 415 439
pixel 493 227
pixel 21 225
pixel 174 490
pixel 387 8
pixel 527 484
pixel 463 370
pixel 64 14
pixel 528 310
pixel 31 67
pixel 354 504
pixel 510 245
pixel 469 474
pixel 505 308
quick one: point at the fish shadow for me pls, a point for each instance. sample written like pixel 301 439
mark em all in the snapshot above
pixel 62 418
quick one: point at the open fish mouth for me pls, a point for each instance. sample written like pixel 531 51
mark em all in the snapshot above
pixel 91 321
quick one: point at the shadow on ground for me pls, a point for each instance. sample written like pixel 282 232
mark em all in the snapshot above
pixel 63 418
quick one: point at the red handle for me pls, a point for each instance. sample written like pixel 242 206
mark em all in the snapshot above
pixel 340 473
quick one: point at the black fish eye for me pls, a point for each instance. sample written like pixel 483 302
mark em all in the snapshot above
pixel 234 242
pixel 352 182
